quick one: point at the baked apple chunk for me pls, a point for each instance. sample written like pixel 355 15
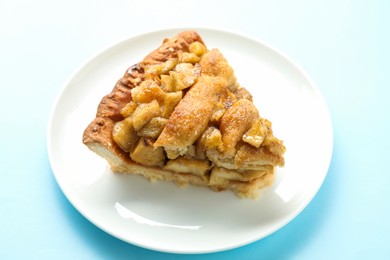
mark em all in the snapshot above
pixel 180 115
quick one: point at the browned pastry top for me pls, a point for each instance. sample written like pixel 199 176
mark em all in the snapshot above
pixel 180 114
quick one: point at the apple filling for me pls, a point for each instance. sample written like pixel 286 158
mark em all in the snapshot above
pixel 188 115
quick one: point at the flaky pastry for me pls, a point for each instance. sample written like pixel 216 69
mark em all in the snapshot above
pixel 180 115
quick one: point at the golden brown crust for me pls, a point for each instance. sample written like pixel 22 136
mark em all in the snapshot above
pixel 171 47
pixel 235 122
pixel 249 155
pixel 112 103
pixel 214 64
pixel 188 120
pixel 99 132
pixel 191 116
pixel 98 135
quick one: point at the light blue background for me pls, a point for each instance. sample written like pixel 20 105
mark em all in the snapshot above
pixel 343 45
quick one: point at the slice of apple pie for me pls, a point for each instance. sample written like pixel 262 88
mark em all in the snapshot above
pixel 180 115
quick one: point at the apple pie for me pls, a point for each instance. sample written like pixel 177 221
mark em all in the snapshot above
pixel 180 115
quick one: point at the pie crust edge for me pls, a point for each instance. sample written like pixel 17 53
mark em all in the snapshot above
pixel 98 135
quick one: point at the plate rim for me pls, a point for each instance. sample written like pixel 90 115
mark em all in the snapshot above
pixel 170 31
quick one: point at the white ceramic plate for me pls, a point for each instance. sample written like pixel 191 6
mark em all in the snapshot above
pixel 161 216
